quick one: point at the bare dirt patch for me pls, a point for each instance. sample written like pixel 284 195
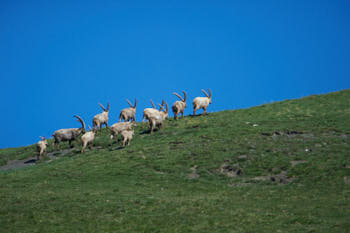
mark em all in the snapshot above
pixel 21 163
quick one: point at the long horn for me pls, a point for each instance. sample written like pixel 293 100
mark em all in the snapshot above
pixel 103 108
pixel 209 93
pixel 205 93
pixel 185 96
pixel 135 103
pixel 81 121
pixel 167 107
pixel 161 107
pixel 153 104
pixel 179 96
pixel 129 103
pixel 107 107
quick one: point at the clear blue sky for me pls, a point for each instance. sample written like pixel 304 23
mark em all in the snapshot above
pixel 60 58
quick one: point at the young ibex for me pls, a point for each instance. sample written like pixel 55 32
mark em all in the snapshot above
pixel 202 102
pixel 127 136
pixel 179 106
pixel 128 113
pixel 87 139
pixel 148 111
pixel 117 128
pixel 41 147
pixel 69 134
pixel 100 119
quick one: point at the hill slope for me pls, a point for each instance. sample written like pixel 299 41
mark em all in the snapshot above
pixel 276 167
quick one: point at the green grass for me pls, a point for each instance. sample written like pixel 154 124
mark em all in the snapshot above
pixel 150 187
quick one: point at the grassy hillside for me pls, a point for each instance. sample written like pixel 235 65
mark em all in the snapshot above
pixel 281 167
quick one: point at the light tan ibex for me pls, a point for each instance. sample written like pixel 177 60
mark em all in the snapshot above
pixel 127 136
pixel 149 111
pixel 156 120
pixel 202 102
pixel 69 134
pixel 41 147
pixel 117 128
pixel 87 139
pixel 128 113
pixel 100 119
pixel 179 106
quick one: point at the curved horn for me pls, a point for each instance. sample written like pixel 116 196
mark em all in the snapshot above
pixel 185 96
pixel 135 103
pixel 209 93
pixel 103 108
pixel 81 121
pixel 161 107
pixel 205 93
pixel 179 96
pixel 129 103
pixel 153 104
pixel 107 107
pixel 167 107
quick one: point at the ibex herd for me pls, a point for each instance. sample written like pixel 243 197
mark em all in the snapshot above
pixel 154 116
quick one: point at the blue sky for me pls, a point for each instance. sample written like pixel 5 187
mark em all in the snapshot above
pixel 60 58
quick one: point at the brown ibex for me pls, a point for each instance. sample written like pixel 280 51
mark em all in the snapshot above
pixel 128 113
pixel 41 147
pixel 179 106
pixel 101 118
pixel 202 102
pixel 87 139
pixel 69 134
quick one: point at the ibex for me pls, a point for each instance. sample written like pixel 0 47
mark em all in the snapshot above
pixel 128 113
pixel 127 136
pixel 41 147
pixel 69 134
pixel 148 111
pixel 87 139
pixel 202 102
pixel 117 128
pixel 179 106
pixel 100 119
pixel 156 120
